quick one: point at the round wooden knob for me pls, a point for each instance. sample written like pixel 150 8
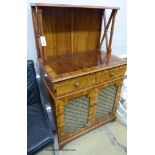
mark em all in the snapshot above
pixel 77 84
pixel 45 75
pixel 112 74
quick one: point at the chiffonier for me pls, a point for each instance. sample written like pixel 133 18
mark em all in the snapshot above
pixel 83 81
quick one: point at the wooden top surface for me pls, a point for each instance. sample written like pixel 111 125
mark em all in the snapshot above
pixel 73 6
pixel 66 66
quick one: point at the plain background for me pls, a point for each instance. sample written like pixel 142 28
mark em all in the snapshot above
pixel 120 32
pixel 141 77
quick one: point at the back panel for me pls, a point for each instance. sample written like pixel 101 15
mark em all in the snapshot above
pixel 71 29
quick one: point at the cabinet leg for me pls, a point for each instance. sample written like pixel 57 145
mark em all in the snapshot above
pixel 114 119
pixel 61 146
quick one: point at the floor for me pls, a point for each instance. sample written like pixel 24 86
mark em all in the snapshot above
pixel 109 139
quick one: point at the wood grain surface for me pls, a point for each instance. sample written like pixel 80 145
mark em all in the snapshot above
pixel 73 67
pixel 72 6
pixel 66 66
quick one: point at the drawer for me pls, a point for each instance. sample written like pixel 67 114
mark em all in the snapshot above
pixel 74 84
pixel 110 74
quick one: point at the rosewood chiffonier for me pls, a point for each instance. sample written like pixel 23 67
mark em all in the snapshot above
pixel 83 81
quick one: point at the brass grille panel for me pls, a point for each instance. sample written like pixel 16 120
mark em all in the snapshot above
pixel 106 100
pixel 76 114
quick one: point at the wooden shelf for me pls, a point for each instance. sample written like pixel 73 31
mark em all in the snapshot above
pixel 73 6
pixel 65 66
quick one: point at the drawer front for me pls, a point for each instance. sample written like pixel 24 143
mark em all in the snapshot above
pixel 75 84
pixel 83 82
pixel 110 74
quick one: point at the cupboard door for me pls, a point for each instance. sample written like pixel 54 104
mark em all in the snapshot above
pixel 106 100
pixel 72 115
pixel 76 114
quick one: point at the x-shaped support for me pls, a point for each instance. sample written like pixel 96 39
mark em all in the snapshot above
pixel 106 26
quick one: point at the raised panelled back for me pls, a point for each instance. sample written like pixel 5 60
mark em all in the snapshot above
pixel 106 99
pixel 71 29
pixel 76 114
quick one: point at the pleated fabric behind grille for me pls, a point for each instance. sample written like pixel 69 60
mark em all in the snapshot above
pixel 106 100
pixel 76 114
